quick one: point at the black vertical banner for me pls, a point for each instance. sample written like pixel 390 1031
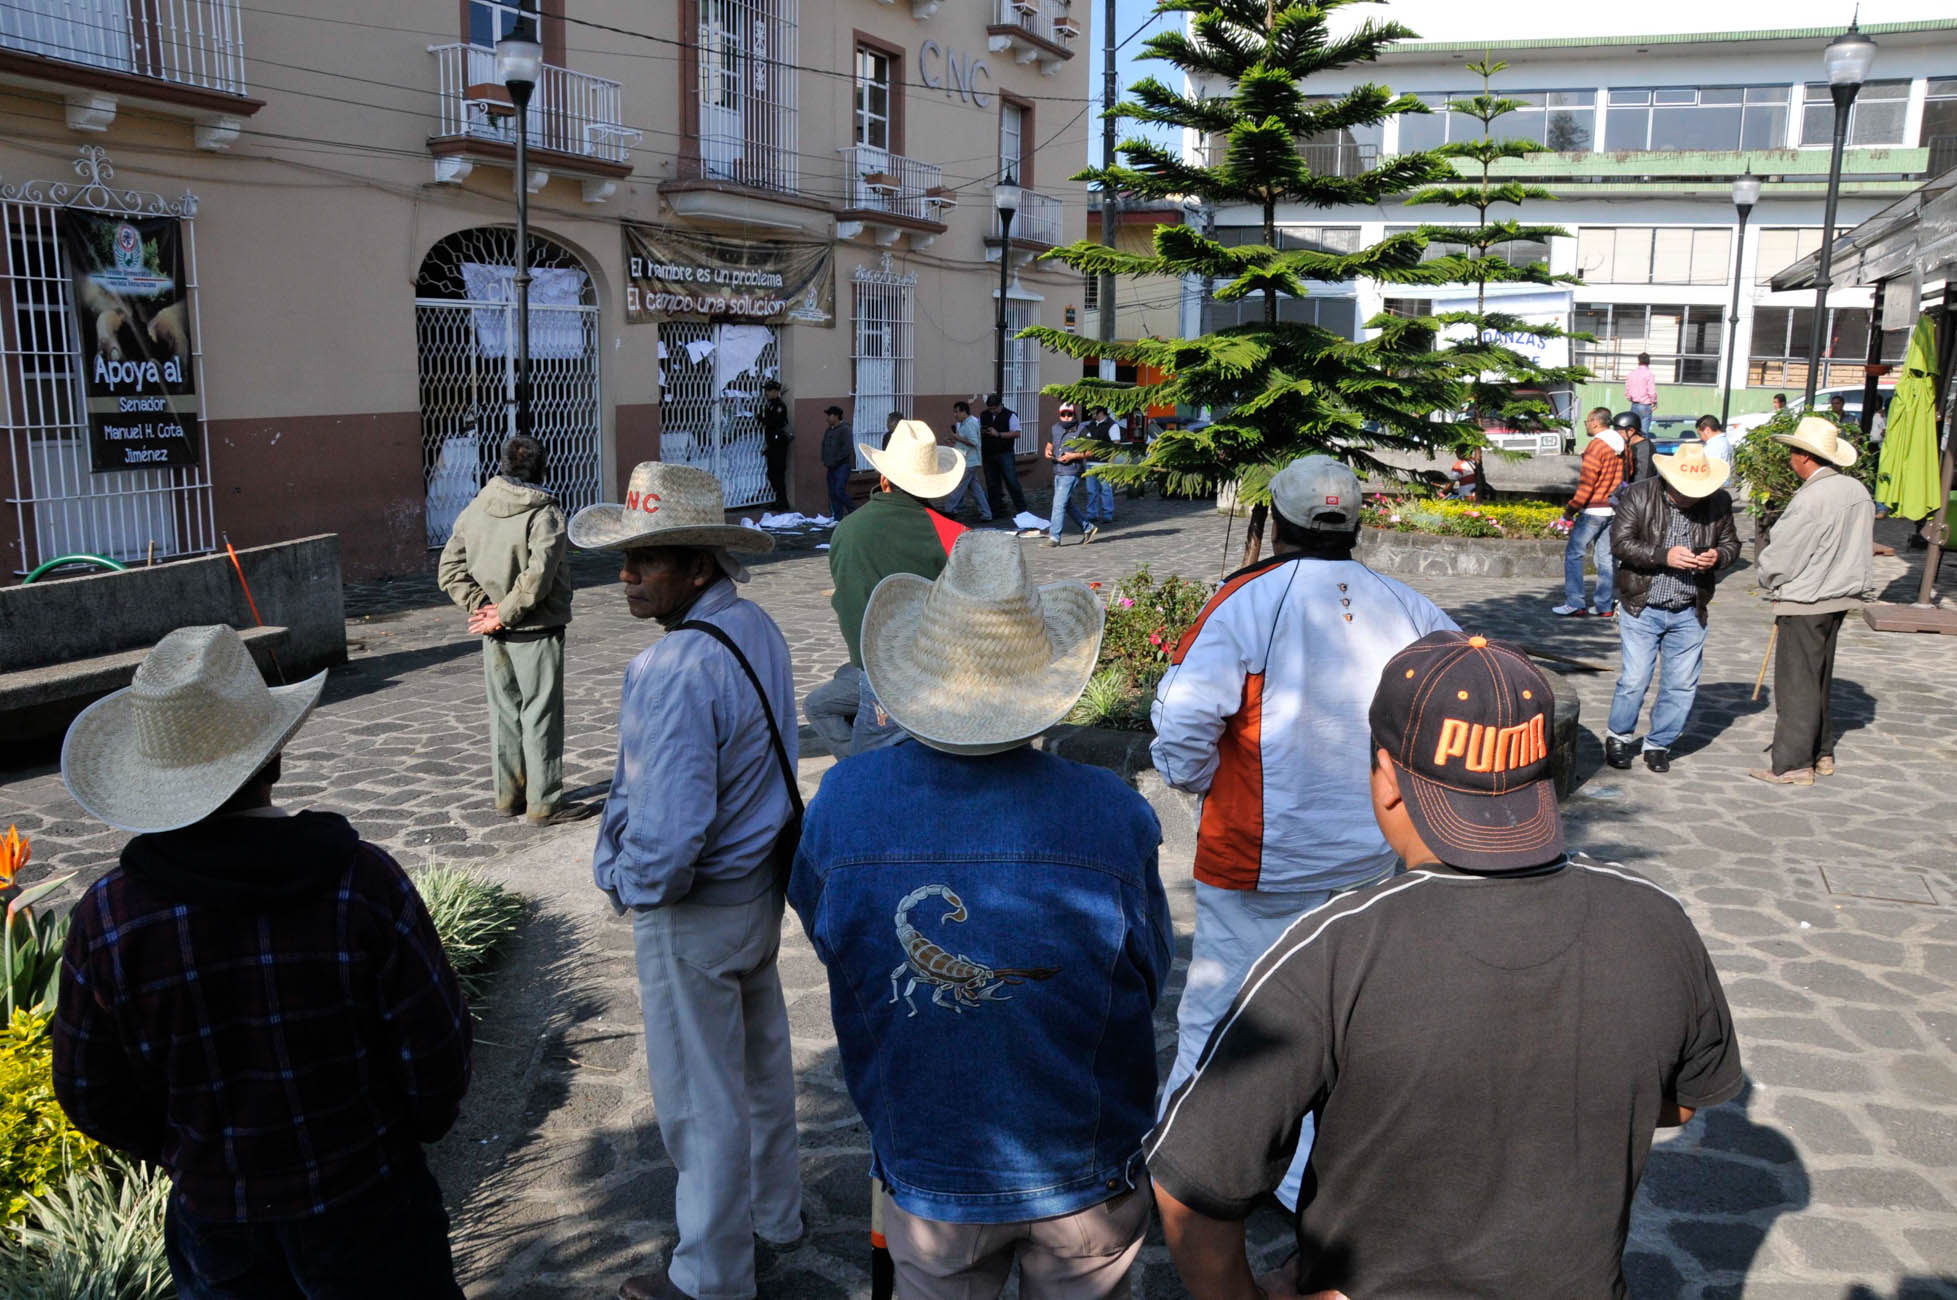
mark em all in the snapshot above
pixel 133 311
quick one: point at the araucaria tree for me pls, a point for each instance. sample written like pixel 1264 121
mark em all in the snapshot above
pixel 1511 389
pixel 1280 388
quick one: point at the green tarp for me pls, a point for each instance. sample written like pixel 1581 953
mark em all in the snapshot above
pixel 1906 475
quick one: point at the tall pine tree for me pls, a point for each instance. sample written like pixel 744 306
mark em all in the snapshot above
pixel 1280 388
pixel 1510 390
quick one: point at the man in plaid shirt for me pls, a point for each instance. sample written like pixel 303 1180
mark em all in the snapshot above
pixel 255 1000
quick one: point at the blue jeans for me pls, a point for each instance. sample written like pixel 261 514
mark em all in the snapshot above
pixel 971 485
pixel 873 728
pixel 1643 411
pixel 1674 637
pixel 389 1244
pixel 1589 530
pixel 1063 507
pixel 839 490
pixel 1100 500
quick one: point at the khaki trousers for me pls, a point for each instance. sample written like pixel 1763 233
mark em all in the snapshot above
pixel 1086 1255
pixel 525 683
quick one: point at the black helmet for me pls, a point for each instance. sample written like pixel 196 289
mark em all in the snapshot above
pixel 1627 422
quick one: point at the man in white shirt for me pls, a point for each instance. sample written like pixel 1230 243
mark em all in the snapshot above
pixel 965 438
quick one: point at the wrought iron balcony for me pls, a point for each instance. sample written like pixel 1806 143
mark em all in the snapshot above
pixel 184 42
pixel 1342 159
pixel 1036 222
pixel 882 183
pixel 573 120
pixel 1033 31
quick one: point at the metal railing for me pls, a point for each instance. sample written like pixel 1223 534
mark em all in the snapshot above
pixel 188 42
pixel 881 181
pixel 1036 222
pixel 1343 159
pixel 570 112
pixel 1049 20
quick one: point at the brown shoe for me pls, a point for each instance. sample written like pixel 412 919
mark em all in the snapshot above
pixel 650 1286
pixel 1825 765
pixel 564 814
pixel 1794 776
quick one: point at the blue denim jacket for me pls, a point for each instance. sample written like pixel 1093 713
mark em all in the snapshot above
pixel 996 936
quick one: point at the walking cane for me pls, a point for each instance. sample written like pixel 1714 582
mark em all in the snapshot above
pixel 1766 659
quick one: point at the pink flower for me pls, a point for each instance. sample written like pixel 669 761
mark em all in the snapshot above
pixel 1127 602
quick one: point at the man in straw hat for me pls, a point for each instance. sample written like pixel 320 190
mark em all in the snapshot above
pixel 1670 535
pixel 1006 1089
pixel 1263 714
pixel 504 566
pixel 1817 565
pixel 255 1000
pixel 895 531
pixel 703 792
pixel 1486 1042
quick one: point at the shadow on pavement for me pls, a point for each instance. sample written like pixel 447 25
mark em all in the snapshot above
pixel 358 677
pixel 1941 1287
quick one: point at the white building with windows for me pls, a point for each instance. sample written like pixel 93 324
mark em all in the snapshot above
pixel 1645 135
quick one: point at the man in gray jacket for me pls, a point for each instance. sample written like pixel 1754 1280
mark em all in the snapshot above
pixel 1817 567
pixel 504 566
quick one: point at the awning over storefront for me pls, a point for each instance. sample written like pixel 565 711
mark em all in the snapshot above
pixel 1913 238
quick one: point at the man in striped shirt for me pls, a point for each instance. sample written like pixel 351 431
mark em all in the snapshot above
pixel 1486 1042
pixel 1588 516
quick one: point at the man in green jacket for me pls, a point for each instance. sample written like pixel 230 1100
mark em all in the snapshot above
pixel 504 566
pixel 893 532
pixel 1817 565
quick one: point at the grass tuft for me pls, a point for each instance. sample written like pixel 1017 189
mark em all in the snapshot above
pixel 96 1236
pixel 474 917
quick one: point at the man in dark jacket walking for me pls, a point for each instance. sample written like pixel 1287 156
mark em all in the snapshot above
pixel 999 430
pixel 1670 535
pixel 504 567
pixel 838 453
pixel 254 1000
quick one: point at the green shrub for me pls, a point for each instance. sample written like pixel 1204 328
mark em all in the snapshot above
pixel 1110 700
pixel 98 1235
pixel 1146 619
pixel 38 1146
pixel 474 917
pixel 1761 471
pixel 1403 514
pixel 30 959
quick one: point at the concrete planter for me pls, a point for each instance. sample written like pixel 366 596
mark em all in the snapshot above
pixel 1439 557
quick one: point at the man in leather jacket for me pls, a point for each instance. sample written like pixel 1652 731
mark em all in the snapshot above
pixel 1670 535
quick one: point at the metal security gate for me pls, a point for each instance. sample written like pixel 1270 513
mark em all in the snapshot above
pixel 710 379
pixel 465 327
pixel 64 509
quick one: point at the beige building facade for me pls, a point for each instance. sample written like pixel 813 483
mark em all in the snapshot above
pixel 319 204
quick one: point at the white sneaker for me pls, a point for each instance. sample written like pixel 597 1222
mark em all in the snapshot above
pixel 1569 611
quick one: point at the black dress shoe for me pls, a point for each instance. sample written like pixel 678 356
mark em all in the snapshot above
pixel 1617 752
pixel 1658 760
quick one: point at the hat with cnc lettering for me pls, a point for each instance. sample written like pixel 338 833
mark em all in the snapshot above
pixel 1467 723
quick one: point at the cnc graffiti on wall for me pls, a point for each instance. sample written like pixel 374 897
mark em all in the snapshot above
pixel 678 274
pixel 133 312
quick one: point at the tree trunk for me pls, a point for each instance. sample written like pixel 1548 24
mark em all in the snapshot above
pixel 1254 535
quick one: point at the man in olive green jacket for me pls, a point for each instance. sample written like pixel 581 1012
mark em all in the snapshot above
pixel 504 566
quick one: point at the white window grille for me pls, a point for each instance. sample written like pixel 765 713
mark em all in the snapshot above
pixel 1090 293
pixel 61 508
pixel 710 396
pixel 188 42
pixel 1012 136
pixel 883 359
pixel 491 20
pixel 746 95
pixel 1023 372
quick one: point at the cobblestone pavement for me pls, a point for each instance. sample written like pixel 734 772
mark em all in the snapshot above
pixel 1831 914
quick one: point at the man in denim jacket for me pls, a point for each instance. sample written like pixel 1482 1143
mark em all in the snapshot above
pixel 994 956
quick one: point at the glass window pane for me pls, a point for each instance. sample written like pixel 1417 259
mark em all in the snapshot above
pixel 1711 251
pixel 1766 94
pixel 1587 98
pixel 1422 131
pixel 1634 254
pixel 1721 95
pixel 1940 130
pixel 1695 128
pixel 1877 122
pixel 1764 127
pixel 1818 120
pixel 1675 96
pixel 1882 90
pixel 1569 129
pixel 1627 128
pixel 1630 97
pixel 1596 254
pixel 1940 86
pixel 1671 256
pixel 1849 333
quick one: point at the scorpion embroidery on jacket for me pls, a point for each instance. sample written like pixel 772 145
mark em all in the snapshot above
pixel 956 982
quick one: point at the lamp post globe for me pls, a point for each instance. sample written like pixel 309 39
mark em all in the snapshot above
pixel 519 64
pixel 1005 201
pixel 1847 60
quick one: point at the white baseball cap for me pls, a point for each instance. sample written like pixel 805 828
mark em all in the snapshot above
pixel 1317 492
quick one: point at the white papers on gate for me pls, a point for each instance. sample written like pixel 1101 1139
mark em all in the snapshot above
pixel 555 331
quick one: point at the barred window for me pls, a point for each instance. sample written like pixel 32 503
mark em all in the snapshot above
pixel 882 362
pixel 1683 341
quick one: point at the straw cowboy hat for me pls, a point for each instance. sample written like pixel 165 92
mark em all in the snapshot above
pixel 980 660
pixel 1691 472
pixel 665 505
pixel 196 724
pixel 1819 438
pixel 913 460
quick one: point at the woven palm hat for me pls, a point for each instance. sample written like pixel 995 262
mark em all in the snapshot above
pixel 1691 472
pixel 665 505
pixel 196 724
pixel 1820 438
pixel 981 660
pixel 913 460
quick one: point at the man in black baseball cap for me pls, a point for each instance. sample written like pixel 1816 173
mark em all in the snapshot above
pixel 1486 1041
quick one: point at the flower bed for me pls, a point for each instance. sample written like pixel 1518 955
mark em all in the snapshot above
pixel 1511 519
pixel 1145 620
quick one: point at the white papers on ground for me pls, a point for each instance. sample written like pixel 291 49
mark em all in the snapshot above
pixel 1026 519
pixel 790 520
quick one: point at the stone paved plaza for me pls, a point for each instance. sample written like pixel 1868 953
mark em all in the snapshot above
pixel 1831 914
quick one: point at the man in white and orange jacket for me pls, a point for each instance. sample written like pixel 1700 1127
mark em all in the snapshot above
pixel 1263 714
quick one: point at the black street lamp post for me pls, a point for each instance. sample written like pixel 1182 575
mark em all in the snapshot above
pixel 1005 201
pixel 1746 192
pixel 1847 60
pixel 519 62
